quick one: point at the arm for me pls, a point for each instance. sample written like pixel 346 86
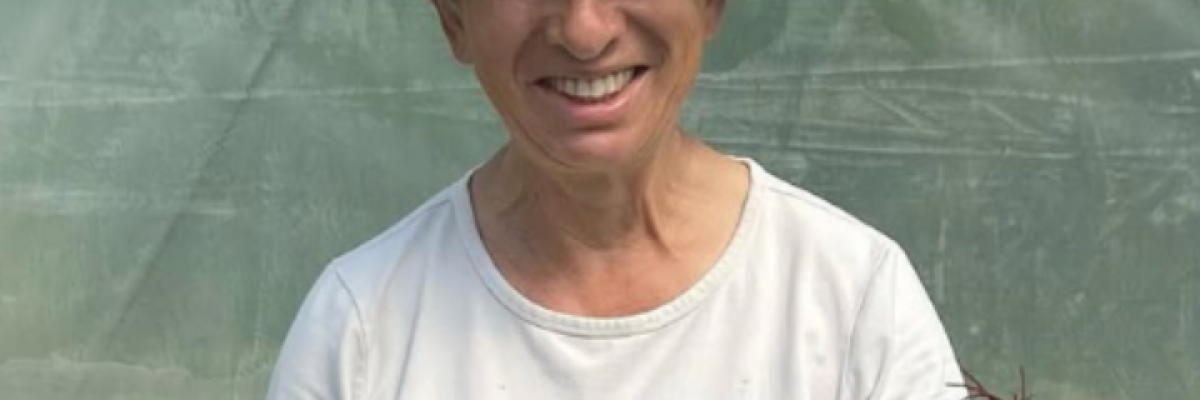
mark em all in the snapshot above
pixel 322 357
pixel 899 348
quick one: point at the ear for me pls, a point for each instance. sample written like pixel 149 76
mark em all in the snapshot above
pixel 713 10
pixel 450 16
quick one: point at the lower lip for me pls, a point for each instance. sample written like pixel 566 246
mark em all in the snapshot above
pixel 592 113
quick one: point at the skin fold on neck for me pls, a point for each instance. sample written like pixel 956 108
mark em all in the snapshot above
pixel 613 242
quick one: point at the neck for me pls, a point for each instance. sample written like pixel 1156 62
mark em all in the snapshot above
pixel 650 206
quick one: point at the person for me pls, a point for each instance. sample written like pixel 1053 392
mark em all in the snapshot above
pixel 606 253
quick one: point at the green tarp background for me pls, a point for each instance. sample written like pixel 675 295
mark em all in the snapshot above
pixel 174 174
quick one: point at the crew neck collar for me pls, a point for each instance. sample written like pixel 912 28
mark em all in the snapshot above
pixel 575 325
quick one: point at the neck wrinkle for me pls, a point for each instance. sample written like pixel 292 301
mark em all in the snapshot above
pixel 596 211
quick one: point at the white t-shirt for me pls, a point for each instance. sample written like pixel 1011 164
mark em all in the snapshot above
pixel 806 303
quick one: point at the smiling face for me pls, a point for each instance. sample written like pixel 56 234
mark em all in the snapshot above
pixel 583 84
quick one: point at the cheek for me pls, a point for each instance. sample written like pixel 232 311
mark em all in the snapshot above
pixel 681 64
pixel 495 54
pixel 499 26
pixel 498 39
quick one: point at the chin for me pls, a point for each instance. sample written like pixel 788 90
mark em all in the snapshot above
pixel 597 152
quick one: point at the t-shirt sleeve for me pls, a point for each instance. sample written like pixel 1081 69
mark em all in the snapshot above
pixel 899 348
pixel 322 357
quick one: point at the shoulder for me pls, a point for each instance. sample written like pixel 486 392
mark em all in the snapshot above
pixel 387 259
pixel 858 283
pixel 804 222
pixel 333 338
pixel 828 260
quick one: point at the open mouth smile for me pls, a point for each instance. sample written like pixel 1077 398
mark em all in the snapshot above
pixel 594 90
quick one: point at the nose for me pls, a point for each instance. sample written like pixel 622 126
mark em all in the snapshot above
pixel 586 28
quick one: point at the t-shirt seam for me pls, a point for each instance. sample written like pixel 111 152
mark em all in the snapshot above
pixel 360 367
pixel 338 264
pixel 538 318
pixel 862 302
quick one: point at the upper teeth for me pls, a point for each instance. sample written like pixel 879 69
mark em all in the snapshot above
pixel 593 88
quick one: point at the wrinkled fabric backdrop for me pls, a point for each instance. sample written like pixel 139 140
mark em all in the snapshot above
pixel 174 174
